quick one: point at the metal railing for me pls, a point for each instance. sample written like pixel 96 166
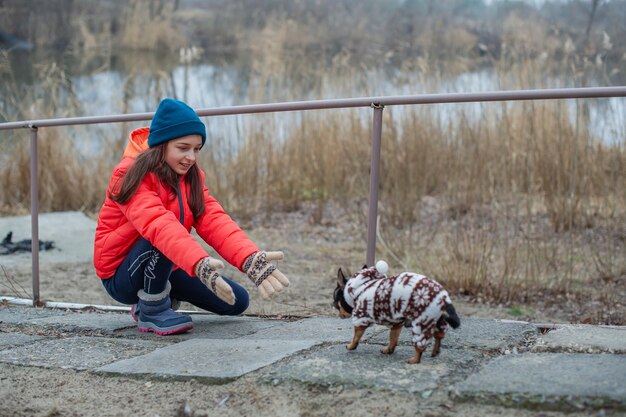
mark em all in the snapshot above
pixel 376 103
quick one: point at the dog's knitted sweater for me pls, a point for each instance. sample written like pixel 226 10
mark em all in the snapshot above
pixel 377 298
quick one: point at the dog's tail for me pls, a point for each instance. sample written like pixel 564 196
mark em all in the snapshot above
pixel 451 317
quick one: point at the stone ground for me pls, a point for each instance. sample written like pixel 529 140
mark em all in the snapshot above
pixel 287 356
pixel 92 363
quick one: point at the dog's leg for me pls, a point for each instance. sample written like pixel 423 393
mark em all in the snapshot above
pixel 439 335
pixel 418 356
pixel 419 342
pixel 358 333
pixel 394 335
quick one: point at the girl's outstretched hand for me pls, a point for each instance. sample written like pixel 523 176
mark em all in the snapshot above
pixel 264 274
pixel 206 270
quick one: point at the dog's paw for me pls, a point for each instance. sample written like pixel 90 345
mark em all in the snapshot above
pixel 413 360
pixel 387 351
pixel 351 346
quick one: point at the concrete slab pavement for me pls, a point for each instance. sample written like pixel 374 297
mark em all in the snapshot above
pixel 584 339
pixel 312 351
pixel 473 334
pixel 323 329
pixel 559 381
pixel 71 231
pixel 80 353
pixel 211 360
pixel 366 367
pixel 65 320
pixel 209 326
pixel 16 339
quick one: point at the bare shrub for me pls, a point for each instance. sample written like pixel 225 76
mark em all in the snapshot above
pixel 149 26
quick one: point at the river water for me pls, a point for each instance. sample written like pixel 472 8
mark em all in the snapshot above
pixel 39 84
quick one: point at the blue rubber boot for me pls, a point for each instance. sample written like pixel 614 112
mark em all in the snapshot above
pixel 134 309
pixel 156 314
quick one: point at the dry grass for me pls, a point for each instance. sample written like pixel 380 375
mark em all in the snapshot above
pixel 527 201
pixel 66 180
pixel 523 203
pixel 517 200
pixel 530 149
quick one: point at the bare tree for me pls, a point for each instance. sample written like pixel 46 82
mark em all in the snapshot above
pixel 594 7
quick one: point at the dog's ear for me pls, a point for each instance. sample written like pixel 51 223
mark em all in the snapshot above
pixel 341 278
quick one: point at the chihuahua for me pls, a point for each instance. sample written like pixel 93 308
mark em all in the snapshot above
pixel 407 299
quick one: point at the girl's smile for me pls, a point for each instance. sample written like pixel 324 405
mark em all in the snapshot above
pixel 181 153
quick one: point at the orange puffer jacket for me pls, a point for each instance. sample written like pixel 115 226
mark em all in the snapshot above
pixel 154 213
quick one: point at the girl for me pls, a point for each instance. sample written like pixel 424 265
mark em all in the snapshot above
pixel 144 252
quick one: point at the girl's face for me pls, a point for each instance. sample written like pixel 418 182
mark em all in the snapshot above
pixel 181 153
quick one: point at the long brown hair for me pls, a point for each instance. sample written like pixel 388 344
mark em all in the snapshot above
pixel 153 160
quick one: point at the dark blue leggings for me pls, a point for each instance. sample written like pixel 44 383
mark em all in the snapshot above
pixel 145 268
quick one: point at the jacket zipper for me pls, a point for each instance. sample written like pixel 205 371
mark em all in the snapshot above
pixel 181 206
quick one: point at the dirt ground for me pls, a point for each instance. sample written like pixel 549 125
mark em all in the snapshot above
pixel 312 254
pixel 54 392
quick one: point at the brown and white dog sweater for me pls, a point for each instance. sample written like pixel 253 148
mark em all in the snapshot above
pixel 377 298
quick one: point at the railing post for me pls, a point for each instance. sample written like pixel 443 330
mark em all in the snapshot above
pixel 377 126
pixel 34 213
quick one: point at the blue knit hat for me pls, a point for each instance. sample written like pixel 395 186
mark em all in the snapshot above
pixel 174 119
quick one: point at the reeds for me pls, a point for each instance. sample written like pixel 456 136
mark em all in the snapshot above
pixel 66 180
pixel 501 207
pixel 498 201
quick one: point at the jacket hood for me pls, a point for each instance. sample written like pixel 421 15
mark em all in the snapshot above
pixel 137 143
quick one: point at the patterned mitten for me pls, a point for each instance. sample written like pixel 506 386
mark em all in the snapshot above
pixel 264 274
pixel 206 271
